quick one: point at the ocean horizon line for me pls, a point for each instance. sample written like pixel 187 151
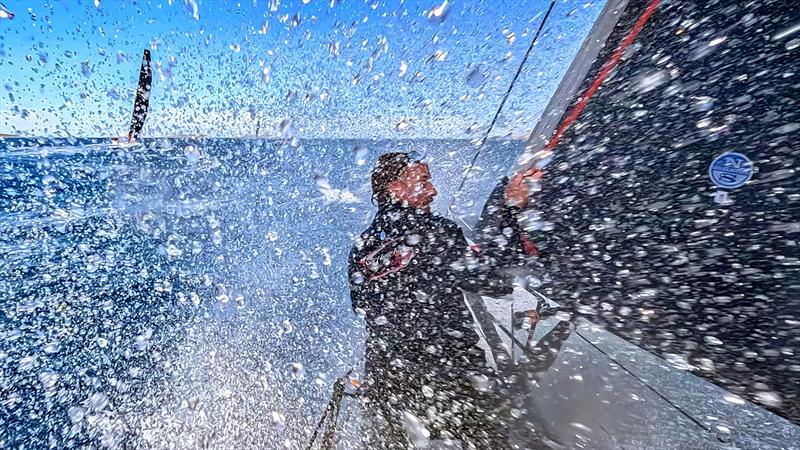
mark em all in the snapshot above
pixel 252 138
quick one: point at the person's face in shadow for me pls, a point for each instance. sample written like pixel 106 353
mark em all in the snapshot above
pixel 414 187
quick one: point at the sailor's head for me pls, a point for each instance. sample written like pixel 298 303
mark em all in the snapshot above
pixel 402 178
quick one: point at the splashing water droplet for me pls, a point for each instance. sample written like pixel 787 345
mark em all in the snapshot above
pixel 52 347
pixel 27 362
pixel 322 182
pixel 416 430
pixel 480 382
pixel 86 69
pixel 733 399
pixel 360 153
pixel 298 371
pixel 677 361
pixel 334 49
pixel 381 320
pixel 191 6
pixel 402 124
pixel 403 68
pixel 285 128
pixel 768 398
pixel 413 239
pixel 326 256
pixel 438 14
pixel 427 391
pixel 76 413
pixel 143 340
pixel 48 379
pixel 4 13
pixel 278 421
pixel 174 251
pixel 511 38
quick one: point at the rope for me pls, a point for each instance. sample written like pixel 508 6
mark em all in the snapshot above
pixel 503 101
pixel 332 413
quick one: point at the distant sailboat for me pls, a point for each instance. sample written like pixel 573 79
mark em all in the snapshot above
pixel 142 102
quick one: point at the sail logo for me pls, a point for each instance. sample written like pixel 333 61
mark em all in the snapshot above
pixel 730 170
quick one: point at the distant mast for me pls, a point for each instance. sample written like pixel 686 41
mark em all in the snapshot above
pixel 142 102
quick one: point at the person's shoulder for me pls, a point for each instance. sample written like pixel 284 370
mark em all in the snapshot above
pixel 440 221
pixel 361 241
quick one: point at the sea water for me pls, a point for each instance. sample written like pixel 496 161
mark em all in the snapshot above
pixel 190 293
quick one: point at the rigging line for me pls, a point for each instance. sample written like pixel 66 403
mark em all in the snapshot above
pixel 637 378
pixel 504 99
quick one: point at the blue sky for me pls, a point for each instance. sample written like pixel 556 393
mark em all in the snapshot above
pixel 347 68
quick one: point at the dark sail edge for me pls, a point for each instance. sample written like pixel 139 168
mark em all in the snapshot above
pixel 142 102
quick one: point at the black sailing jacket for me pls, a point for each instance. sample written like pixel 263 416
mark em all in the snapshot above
pixel 406 275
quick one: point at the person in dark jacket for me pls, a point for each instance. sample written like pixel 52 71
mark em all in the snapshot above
pixel 425 375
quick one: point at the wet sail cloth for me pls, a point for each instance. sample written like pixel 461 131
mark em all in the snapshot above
pixel 407 272
pixel 142 102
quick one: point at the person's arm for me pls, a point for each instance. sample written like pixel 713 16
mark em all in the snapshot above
pixel 499 234
pixel 471 270
pixel 357 283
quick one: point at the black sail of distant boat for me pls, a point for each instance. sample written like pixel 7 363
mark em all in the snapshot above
pixel 142 102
